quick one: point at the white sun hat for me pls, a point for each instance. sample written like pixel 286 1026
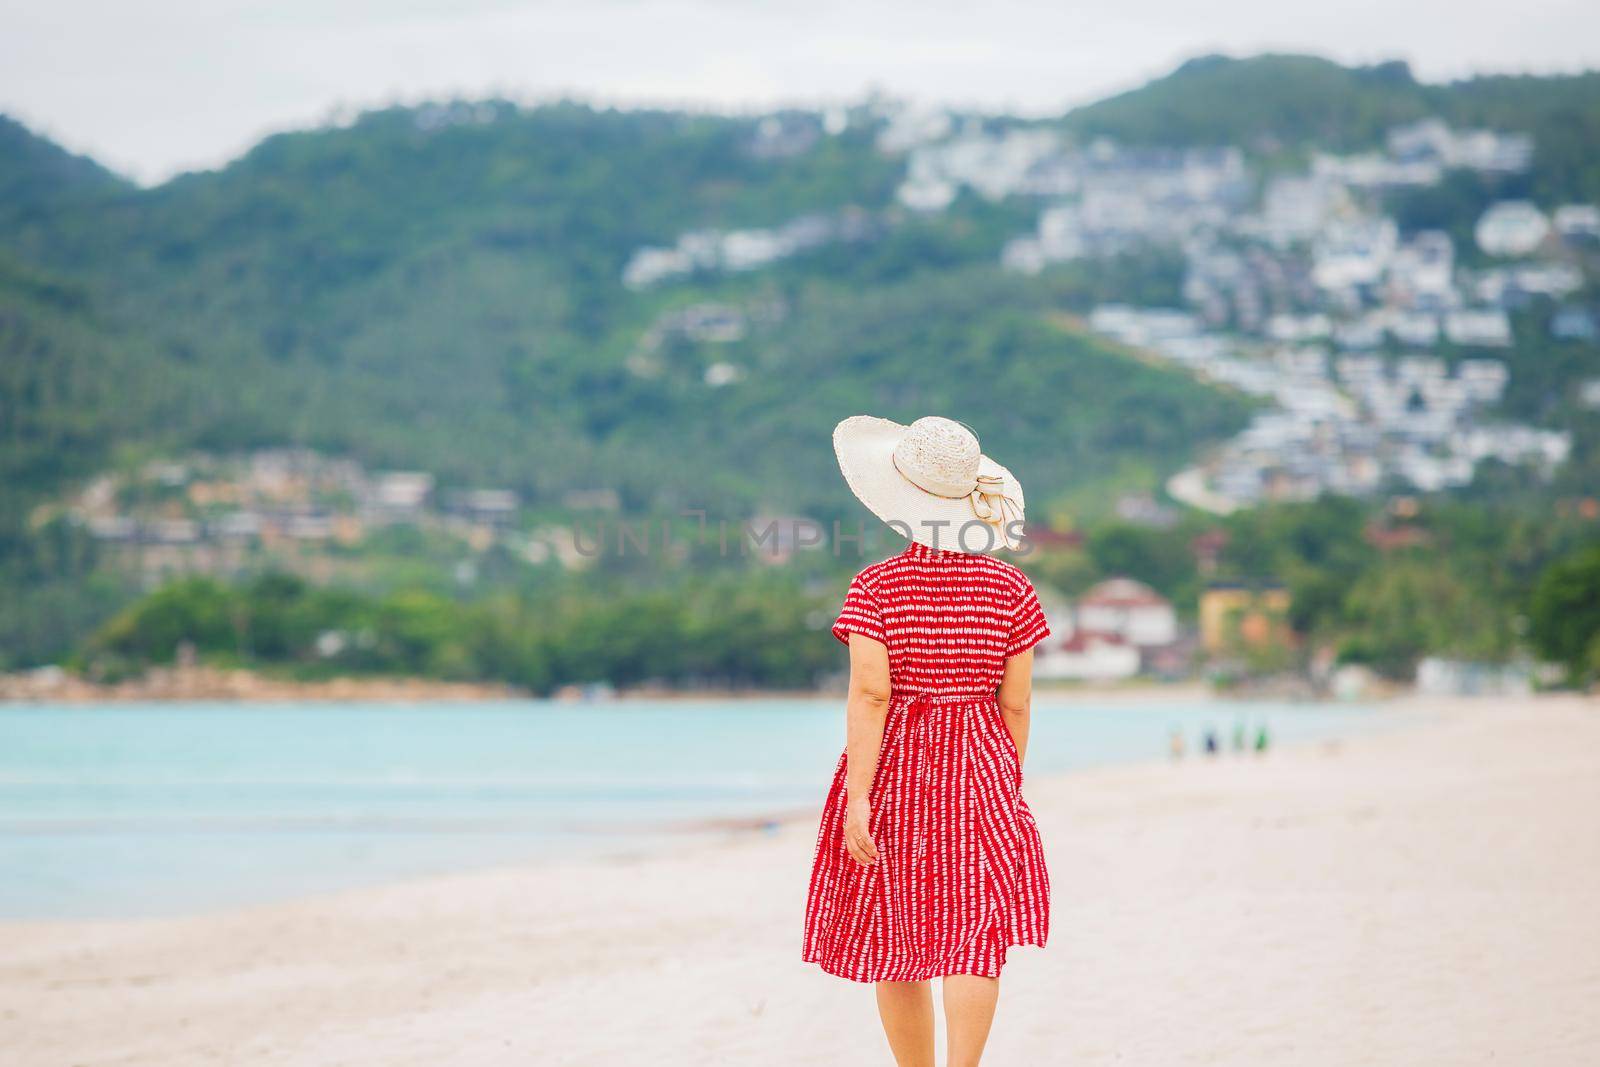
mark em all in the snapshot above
pixel 931 482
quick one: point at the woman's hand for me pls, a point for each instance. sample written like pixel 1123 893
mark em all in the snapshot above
pixel 856 836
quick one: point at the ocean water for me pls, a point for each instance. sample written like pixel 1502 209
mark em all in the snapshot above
pixel 149 809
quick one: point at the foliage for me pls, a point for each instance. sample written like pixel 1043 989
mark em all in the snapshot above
pixel 1259 103
pixel 1160 558
pixel 745 632
pixel 40 177
pixel 1403 610
pixel 1564 614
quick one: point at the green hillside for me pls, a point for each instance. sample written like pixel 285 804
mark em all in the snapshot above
pixel 39 178
pixel 451 299
pixel 441 288
pixel 1278 103
pixel 1262 103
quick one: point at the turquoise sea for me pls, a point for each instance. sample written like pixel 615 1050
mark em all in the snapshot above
pixel 147 809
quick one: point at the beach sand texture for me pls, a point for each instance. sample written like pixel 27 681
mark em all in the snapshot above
pixel 1423 895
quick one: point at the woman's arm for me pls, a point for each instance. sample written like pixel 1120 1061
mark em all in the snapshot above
pixel 1016 698
pixel 865 708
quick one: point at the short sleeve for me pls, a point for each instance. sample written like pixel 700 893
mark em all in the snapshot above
pixel 860 614
pixel 1028 626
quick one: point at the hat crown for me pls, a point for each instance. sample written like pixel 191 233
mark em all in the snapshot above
pixel 940 456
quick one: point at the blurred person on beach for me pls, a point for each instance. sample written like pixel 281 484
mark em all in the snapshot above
pixel 928 861
pixel 1175 743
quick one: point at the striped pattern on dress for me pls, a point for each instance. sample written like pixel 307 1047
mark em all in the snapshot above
pixel 960 875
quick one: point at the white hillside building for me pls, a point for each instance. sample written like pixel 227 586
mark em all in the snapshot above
pixel 1353 252
pixel 1422 272
pixel 1511 228
pixel 1086 657
pixel 1129 610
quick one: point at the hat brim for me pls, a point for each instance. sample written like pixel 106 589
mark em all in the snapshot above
pixel 865 447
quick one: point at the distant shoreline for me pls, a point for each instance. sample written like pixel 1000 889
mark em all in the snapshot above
pixel 201 684
pixel 208 684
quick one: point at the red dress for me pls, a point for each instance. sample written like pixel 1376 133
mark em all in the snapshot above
pixel 960 875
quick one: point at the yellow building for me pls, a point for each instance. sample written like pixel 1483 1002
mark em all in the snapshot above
pixel 1236 616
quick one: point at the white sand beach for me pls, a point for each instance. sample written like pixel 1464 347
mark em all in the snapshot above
pixel 1423 895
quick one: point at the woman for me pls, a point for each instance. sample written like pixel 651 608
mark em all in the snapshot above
pixel 928 860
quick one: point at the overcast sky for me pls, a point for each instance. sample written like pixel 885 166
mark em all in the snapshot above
pixel 153 87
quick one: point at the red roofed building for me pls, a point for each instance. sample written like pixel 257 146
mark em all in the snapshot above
pixel 1391 538
pixel 1044 539
pixel 1087 657
pixel 1129 610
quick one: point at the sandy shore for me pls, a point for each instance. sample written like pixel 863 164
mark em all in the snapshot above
pixel 1427 895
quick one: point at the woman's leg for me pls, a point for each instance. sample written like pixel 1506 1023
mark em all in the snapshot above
pixel 969 1001
pixel 907 1012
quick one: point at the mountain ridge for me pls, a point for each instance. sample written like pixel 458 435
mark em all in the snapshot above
pixel 376 286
